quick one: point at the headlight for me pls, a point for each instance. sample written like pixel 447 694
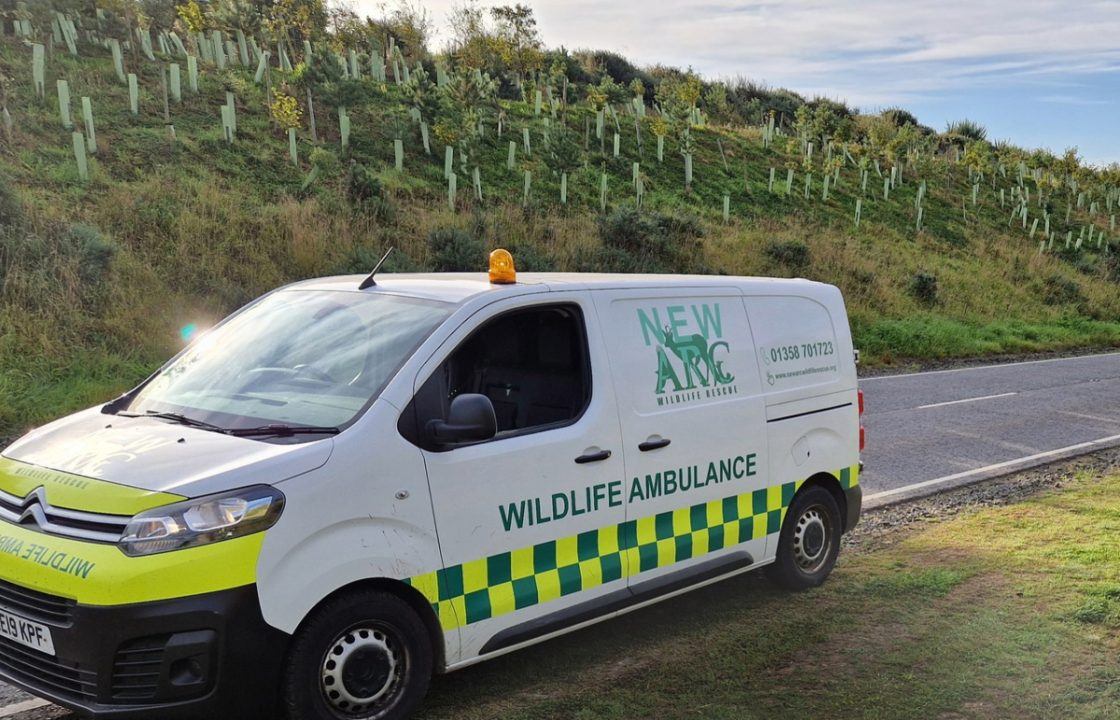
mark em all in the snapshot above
pixel 203 520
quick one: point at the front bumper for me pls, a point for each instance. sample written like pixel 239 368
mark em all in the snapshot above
pixel 205 656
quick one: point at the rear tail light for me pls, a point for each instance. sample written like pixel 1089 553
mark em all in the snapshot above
pixel 862 432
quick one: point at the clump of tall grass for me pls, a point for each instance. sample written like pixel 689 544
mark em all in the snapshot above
pixel 967 129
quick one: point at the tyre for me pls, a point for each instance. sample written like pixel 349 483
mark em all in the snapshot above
pixel 809 541
pixel 364 655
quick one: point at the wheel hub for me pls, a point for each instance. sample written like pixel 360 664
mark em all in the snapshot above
pixel 360 670
pixel 812 539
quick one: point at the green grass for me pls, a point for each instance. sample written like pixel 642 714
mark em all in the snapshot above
pixel 933 337
pixel 1006 612
pixel 199 227
pixel 36 392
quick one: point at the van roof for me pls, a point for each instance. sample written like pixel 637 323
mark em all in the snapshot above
pixel 459 287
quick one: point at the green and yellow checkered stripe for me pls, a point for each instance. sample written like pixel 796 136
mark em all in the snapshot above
pixel 500 584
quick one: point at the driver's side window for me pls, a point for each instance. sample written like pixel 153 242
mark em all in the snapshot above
pixel 531 364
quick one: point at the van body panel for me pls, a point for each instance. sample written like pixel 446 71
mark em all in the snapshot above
pixel 803 343
pixel 511 511
pixel 685 372
pixel 365 515
pixel 161 456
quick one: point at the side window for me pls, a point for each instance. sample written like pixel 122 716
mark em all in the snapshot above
pixel 532 364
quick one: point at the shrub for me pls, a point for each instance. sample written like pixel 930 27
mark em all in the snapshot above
pixel 286 112
pixel 364 259
pixel 528 257
pixel 600 63
pixel 900 117
pixel 326 161
pixel 791 254
pixel 923 286
pixel 1112 268
pixel 1059 290
pixel 365 192
pixel 95 252
pixel 11 211
pixel 362 186
pixel 636 241
pixel 453 249
pixel 967 129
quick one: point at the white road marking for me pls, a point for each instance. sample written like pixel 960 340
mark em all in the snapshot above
pixel 966 400
pixel 1083 416
pixel 987 367
pixel 21 707
pixel 1085 446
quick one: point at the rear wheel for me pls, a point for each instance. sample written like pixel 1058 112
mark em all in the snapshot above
pixel 809 541
pixel 364 655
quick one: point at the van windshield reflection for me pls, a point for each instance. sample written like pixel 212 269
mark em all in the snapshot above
pixel 294 362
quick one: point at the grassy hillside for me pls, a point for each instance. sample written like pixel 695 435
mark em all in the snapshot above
pixel 98 275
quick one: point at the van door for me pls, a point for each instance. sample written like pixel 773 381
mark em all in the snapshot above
pixel 809 385
pixel 693 433
pixel 527 521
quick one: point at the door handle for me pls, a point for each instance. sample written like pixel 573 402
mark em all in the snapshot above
pixel 593 457
pixel 657 444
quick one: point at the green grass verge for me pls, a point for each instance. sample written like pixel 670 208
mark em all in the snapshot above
pixel 38 391
pixel 1007 612
pixel 929 337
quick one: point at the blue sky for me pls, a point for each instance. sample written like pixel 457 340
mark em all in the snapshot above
pixel 1041 73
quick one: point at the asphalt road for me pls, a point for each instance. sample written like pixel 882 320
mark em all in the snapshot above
pixel 933 430
pixel 957 424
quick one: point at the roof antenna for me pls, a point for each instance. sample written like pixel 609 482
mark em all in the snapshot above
pixel 369 281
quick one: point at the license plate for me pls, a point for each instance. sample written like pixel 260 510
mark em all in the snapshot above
pixel 26 632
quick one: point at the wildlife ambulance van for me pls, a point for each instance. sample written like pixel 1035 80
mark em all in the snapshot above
pixel 351 484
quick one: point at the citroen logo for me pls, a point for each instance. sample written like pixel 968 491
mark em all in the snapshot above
pixel 33 505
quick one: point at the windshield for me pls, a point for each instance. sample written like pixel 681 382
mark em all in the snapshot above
pixel 296 357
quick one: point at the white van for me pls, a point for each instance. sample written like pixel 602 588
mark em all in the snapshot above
pixel 349 485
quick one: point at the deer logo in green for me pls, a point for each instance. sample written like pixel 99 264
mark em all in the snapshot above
pixel 688 360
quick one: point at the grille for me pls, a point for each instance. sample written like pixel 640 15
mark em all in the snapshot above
pixel 36 605
pixel 136 669
pixel 34 512
pixel 42 671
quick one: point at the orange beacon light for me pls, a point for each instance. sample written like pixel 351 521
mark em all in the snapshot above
pixel 502 271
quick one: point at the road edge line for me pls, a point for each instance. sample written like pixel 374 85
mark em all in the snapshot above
pixel 970 477
pixel 890 376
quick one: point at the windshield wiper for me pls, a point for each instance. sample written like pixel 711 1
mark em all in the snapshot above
pixel 283 430
pixel 278 429
pixel 179 418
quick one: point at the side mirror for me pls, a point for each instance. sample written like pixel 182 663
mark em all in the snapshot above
pixel 470 418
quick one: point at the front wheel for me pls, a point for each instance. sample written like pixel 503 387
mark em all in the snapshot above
pixel 809 541
pixel 364 655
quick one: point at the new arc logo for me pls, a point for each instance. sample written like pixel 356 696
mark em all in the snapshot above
pixel 689 351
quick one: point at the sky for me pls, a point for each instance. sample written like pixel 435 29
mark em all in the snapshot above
pixel 1041 73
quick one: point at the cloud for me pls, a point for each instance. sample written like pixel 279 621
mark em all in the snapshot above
pixel 1073 100
pixel 873 53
